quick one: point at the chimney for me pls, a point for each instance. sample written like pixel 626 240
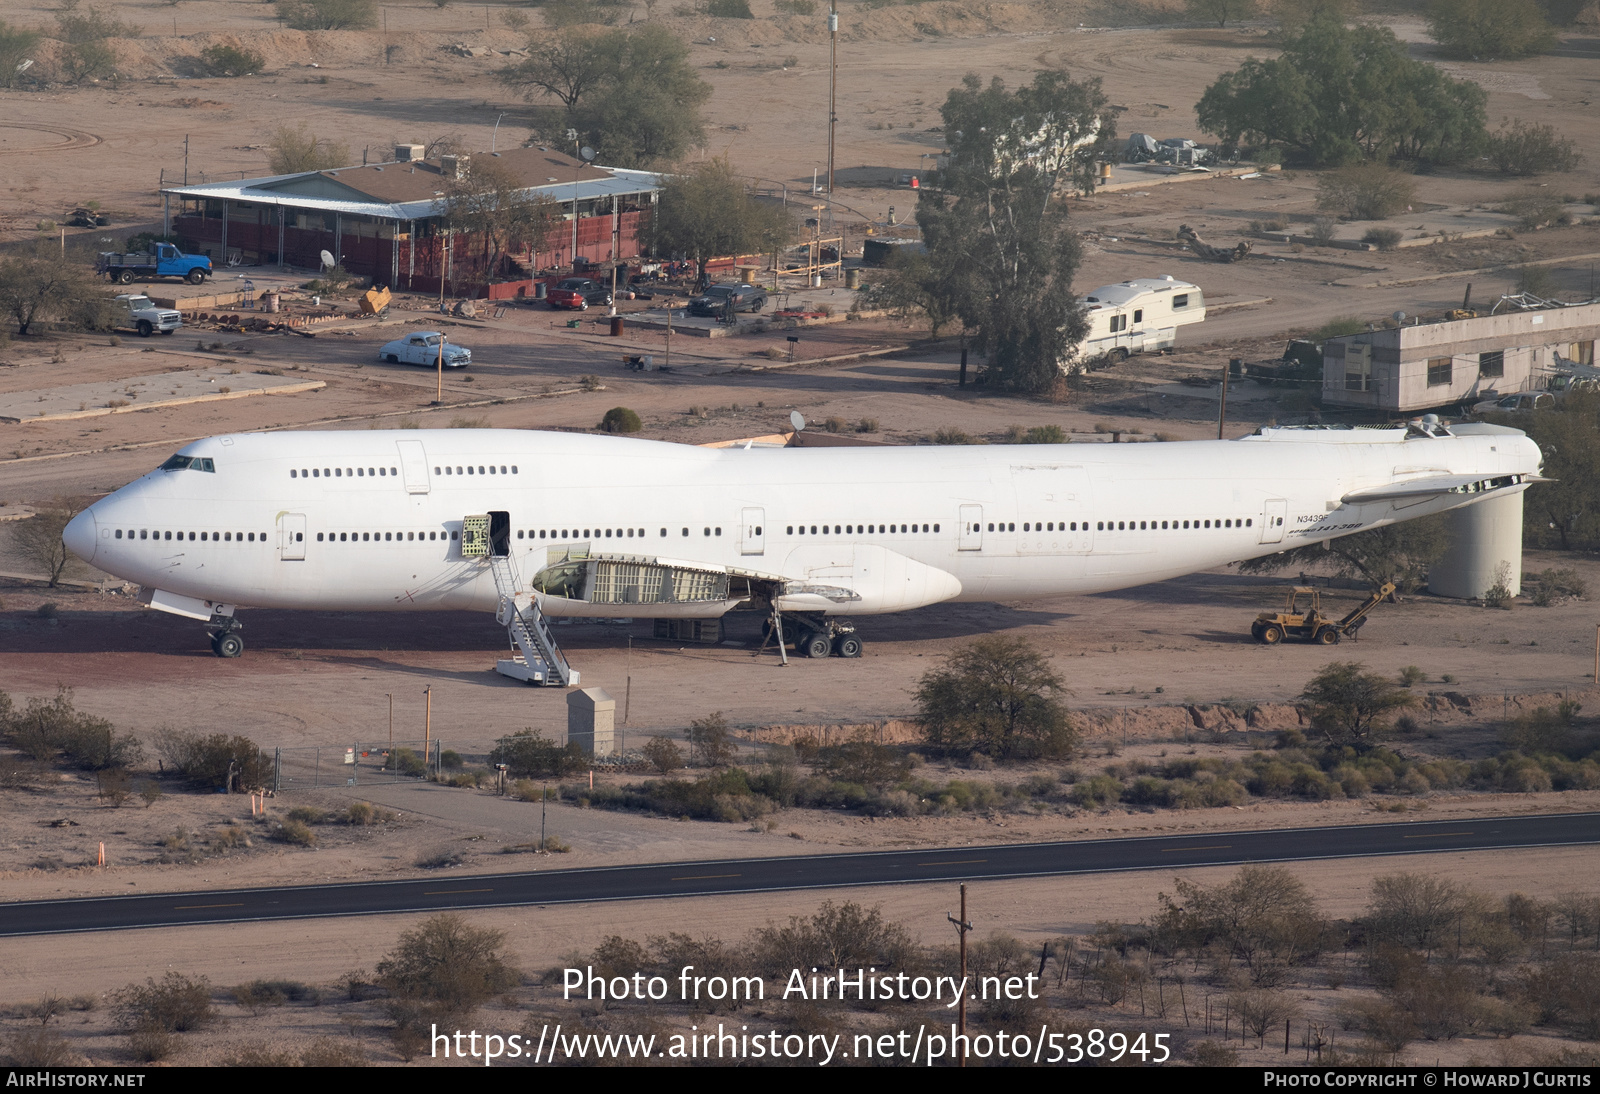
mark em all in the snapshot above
pixel 407 153
pixel 453 167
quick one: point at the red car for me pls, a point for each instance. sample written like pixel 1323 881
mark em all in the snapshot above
pixel 578 293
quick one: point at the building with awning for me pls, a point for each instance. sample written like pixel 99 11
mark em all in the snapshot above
pixel 386 221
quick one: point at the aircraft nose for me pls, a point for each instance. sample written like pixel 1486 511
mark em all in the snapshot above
pixel 80 535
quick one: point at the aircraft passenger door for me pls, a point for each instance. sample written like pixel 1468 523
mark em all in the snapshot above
pixel 752 532
pixel 414 466
pixel 292 537
pixel 971 528
pixel 1272 520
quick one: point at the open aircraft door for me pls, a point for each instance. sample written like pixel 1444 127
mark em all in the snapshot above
pixel 292 537
pixel 971 528
pixel 414 466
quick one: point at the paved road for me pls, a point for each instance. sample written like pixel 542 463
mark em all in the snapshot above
pixel 677 879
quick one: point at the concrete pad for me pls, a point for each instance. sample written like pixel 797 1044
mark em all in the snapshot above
pixel 144 393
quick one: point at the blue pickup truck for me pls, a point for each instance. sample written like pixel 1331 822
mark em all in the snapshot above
pixel 164 260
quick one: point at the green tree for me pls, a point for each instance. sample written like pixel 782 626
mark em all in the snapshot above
pixel 997 695
pixel 705 212
pixel 493 202
pixel 15 45
pixel 1564 511
pixel 40 285
pixel 1489 29
pixel 914 285
pixel 526 754
pixel 1220 11
pixel 1338 94
pixel 995 221
pixel 632 95
pixel 328 14
pixel 1350 706
pixel 449 962
pixel 1517 148
pixel 1399 553
pixel 293 150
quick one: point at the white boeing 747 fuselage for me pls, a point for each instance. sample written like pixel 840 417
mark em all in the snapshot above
pixel 363 520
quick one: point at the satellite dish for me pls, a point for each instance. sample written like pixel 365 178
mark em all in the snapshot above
pixel 1399 317
pixel 327 261
pixel 587 153
pixel 797 420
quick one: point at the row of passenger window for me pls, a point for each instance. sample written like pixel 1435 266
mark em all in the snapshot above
pixel 603 533
pixel 853 529
pixel 1156 526
pixel 215 537
pixel 344 472
pixel 386 537
pixel 386 472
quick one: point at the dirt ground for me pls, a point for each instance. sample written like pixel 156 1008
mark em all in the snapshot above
pixel 325 679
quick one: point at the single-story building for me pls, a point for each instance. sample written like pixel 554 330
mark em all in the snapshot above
pixel 1422 366
pixel 386 220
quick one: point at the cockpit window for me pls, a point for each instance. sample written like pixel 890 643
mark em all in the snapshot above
pixel 189 463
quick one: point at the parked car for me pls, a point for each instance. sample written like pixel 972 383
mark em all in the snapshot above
pixel 143 316
pixel 745 298
pixel 1515 404
pixel 578 293
pixel 422 348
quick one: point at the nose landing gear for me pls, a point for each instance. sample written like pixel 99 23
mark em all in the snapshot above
pixel 226 641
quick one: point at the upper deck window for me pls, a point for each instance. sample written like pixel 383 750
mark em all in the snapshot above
pixel 189 463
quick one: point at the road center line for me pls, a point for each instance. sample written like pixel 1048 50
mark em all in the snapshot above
pixel 453 892
pixel 192 907
pixel 1205 847
pixel 703 877
pixel 1438 835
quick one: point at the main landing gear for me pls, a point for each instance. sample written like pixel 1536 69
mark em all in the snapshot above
pixel 226 641
pixel 815 636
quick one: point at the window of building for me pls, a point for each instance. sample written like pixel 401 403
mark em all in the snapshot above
pixel 1440 371
pixel 1492 364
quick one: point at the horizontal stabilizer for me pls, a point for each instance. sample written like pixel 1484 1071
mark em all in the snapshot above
pixel 1438 484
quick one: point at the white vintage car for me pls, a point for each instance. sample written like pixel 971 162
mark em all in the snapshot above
pixel 422 348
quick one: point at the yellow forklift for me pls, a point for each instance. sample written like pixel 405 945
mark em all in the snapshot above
pixel 1311 625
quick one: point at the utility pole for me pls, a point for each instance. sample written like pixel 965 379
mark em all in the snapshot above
pixel 1222 408
pixel 427 727
pixel 963 925
pixel 391 727
pixel 833 82
pixel 544 807
pixel 186 159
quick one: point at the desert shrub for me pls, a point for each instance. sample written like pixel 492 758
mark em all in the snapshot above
pixel 329 1052
pixel 1385 239
pixel 1322 229
pixel 177 1004
pixel 660 753
pixel 360 813
pixel 729 9
pixel 528 755
pixel 952 435
pixel 1518 148
pixel 711 742
pixel 450 760
pixel 1365 191
pixel 1045 434
pixel 449 962
pixel 998 696
pixel 150 1045
pixel 1543 729
pixel 796 7
pixel 1534 209
pixel 407 761
pixel 1350 706
pixel 1414 910
pixel 297 833
pixel 836 936
pixel 1213 1054
pixel 220 60
pixel 55 730
pixel 328 14
pixel 307 814
pixel 1097 791
pixel 39 1048
pixel 1552 584
pixel 619 419
pixel 1483 29
pixel 208 758
pixel 259 1054
pixel 1265 918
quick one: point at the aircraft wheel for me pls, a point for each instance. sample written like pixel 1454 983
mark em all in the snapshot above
pixel 847 645
pixel 229 645
pixel 1272 634
pixel 815 644
pixel 1328 636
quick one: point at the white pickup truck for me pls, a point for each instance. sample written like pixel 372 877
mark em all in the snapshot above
pixel 136 310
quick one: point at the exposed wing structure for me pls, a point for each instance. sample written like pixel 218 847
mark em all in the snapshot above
pixel 1433 485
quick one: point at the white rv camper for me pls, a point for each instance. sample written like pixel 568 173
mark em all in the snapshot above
pixel 1138 316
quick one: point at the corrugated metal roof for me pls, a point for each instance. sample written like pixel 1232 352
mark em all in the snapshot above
pixel 620 182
